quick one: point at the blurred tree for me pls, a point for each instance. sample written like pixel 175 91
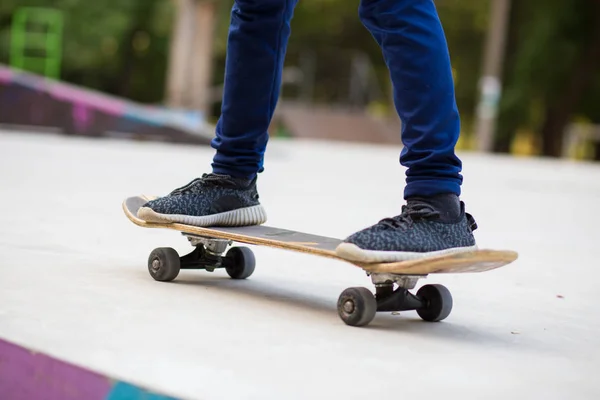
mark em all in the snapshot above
pixel 553 62
pixel 135 44
pixel 117 46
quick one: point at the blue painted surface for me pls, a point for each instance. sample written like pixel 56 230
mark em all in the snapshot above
pixel 126 391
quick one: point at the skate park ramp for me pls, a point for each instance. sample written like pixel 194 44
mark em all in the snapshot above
pixel 80 317
pixel 32 102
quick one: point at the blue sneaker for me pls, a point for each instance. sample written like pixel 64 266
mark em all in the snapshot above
pixel 425 228
pixel 212 200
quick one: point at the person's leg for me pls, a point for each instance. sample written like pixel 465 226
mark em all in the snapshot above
pixel 256 47
pixel 433 221
pixel 415 50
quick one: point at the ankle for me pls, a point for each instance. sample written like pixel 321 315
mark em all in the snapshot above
pixel 447 204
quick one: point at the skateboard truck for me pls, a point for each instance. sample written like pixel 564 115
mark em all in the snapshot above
pixel 164 263
pixel 399 299
pixel 213 246
pixel 405 281
pixel 357 306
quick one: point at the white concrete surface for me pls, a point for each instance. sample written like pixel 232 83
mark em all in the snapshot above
pixel 74 283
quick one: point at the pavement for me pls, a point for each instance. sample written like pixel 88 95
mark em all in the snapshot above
pixel 74 282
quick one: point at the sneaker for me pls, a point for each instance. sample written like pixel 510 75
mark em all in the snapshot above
pixel 425 228
pixel 212 200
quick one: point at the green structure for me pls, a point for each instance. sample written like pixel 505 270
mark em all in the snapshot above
pixel 36 41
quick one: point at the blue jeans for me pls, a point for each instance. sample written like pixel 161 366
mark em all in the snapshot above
pixel 414 47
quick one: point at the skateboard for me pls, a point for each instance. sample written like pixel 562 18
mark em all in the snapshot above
pixel 356 306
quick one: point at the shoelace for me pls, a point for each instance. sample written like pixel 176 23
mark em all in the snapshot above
pixel 205 181
pixel 417 211
pixel 414 211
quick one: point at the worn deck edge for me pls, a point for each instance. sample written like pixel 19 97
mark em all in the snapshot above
pixel 468 262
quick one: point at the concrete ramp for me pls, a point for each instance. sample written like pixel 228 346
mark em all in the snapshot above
pixel 74 283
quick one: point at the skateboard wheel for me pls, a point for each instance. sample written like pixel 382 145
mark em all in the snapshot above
pixel 241 262
pixel 437 300
pixel 163 264
pixel 357 306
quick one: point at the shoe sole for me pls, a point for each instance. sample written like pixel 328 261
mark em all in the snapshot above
pixel 254 215
pixel 352 252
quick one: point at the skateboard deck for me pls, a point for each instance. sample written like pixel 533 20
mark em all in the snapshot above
pixel 466 262
pixel 211 243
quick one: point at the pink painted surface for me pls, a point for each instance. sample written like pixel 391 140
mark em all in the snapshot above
pixel 26 375
pixel 82 116
pixel 88 98
pixel 5 75
pixel 64 91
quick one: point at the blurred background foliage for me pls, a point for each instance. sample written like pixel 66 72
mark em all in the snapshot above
pixel 551 72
